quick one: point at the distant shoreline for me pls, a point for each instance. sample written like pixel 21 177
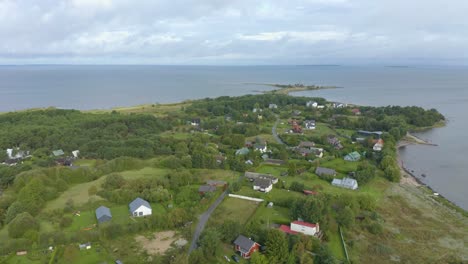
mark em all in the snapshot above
pixel 290 88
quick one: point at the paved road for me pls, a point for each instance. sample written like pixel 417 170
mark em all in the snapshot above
pixel 275 134
pixel 203 219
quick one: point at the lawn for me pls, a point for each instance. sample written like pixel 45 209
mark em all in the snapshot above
pixel 340 165
pixel 233 209
pixel 321 129
pixel 276 215
pixel 72 254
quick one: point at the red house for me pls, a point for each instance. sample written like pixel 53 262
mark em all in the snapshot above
pixel 245 246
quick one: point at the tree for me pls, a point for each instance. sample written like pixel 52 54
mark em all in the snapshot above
pixel 22 223
pixel 345 217
pixel 258 258
pixel 277 246
pixel 229 230
pixel 210 242
pixel 197 257
pixel 324 255
pixel 392 174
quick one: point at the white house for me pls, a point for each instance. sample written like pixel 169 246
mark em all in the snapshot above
pixel 379 145
pixel 312 104
pixel 75 153
pixel 261 147
pixel 347 183
pixel 305 228
pixel 140 207
pixel 262 185
pixel 309 124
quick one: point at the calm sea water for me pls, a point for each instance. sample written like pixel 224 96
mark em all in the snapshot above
pixel 92 87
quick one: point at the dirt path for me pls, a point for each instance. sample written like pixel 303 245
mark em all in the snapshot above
pixel 274 133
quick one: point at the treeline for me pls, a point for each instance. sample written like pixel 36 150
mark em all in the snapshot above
pixel 96 135
pixel 33 188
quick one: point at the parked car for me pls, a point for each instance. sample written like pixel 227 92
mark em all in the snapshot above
pixel 235 258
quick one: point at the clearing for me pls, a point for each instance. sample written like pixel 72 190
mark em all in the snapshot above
pixel 159 244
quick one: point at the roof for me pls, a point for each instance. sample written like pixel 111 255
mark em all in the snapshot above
pixel 103 211
pixel 206 188
pixel 354 155
pixel 302 223
pixel 306 144
pixel 242 151
pixel 263 183
pixel 326 171
pixel 58 152
pixel 216 183
pixel 287 230
pixel 345 182
pixel 137 203
pixel 275 161
pixel 244 243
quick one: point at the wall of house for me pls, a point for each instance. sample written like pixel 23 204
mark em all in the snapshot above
pixel 306 230
pixel 144 210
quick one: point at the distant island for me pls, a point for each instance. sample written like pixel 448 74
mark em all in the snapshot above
pixel 290 88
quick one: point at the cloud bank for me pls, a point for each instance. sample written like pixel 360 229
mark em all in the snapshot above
pixel 233 32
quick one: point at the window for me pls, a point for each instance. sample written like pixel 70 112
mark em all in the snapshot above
pixel 141 213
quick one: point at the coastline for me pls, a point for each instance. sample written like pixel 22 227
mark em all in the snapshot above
pixel 292 88
pixel 408 178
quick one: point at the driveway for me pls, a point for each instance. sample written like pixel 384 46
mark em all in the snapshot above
pixel 203 219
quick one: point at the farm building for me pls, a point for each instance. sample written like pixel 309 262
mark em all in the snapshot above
pixel 245 246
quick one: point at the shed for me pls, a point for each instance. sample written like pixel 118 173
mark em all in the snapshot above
pixel 140 207
pixel 325 171
pixel 103 214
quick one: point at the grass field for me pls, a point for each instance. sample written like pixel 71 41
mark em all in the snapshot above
pixel 233 209
pixel 340 165
pixel 277 215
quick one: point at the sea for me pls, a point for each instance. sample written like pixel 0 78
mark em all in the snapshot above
pixel 445 88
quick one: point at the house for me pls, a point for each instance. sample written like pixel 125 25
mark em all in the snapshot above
pixel 296 129
pixel 85 246
pixel 306 144
pixel 356 111
pixel 245 246
pixel 75 153
pixel 347 183
pixel 103 214
pixel 320 106
pixel 338 105
pixel 353 156
pixel 334 141
pixel 370 133
pixel 320 171
pixel 309 124
pixel 312 104
pixel 263 185
pixel 242 151
pixel 272 106
pixel 378 145
pixel 304 151
pixel 251 176
pixel 195 122
pixel 216 183
pixel 301 227
pixel 202 190
pixel 318 152
pixel 140 207
pixel 274 162
pixel 16 154
pixel 58 153
pixel 62 161
pixel 261 147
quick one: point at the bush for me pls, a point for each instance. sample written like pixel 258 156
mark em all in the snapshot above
pixel 21 224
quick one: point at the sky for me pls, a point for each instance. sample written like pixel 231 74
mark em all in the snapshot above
pixel 237 32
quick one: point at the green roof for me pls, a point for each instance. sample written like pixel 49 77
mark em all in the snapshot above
pixel 58 152
pixel 242 151
pixel 353 156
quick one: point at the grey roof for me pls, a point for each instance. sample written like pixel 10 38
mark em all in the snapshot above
pixel 325 171
pixel 103 214
pixel 263 183
pixel 244 243
pixel 137 203
pixel 207 188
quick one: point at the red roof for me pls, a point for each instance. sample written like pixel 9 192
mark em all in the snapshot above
pixel 287 230
pixel 304 224
pixel 307 192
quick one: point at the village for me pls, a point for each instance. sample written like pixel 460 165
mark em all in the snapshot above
pixel 282 161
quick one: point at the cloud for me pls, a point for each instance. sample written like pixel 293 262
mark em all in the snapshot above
pixel 236 31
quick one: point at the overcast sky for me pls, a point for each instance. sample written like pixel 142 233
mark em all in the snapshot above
pixel 234 31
